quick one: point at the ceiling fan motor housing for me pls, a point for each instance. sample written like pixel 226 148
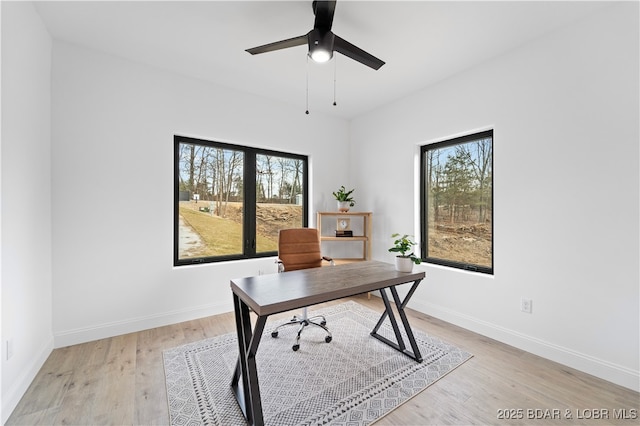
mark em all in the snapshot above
pixel 320 44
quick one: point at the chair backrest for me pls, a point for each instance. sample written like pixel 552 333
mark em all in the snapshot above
pixel 299 248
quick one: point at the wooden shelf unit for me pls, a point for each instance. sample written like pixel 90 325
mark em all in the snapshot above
pixel 365 239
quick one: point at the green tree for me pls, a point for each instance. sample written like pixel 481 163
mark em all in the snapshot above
pixel 458 182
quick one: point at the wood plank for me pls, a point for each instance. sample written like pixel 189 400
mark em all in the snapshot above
pixel 274 293
pixel 68 389
pixel 150 392
pixel 351 213
pixel 343 239
pixel 48 389
pixel 103 384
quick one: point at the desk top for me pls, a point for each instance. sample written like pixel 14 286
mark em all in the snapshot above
pixel 274 293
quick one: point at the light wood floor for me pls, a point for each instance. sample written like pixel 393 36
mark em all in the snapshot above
pixel 120 381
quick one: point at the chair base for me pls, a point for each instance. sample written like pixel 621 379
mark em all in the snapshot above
pixel 304 322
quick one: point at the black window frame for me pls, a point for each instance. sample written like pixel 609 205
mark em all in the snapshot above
pixel 249 199
pixel 424 206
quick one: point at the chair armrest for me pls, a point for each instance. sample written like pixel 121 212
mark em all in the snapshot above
pixel 329 259
pixel 281 264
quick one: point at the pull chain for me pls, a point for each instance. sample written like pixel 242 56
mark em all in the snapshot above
pixel 307 111
pixel 335 71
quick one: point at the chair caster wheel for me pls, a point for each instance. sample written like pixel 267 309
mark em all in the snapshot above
pixel 274 334
pixel 327 339
pixel 295 347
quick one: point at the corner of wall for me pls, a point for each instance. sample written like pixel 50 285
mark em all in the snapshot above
pixel 605 370
pixel 19 387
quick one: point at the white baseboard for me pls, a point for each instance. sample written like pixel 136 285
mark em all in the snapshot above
pixel 611 372
pixel 11 398
pixel 117 328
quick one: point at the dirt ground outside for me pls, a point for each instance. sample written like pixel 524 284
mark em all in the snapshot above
pixel 465 243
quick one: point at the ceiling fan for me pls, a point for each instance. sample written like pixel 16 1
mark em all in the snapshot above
pixel 322 41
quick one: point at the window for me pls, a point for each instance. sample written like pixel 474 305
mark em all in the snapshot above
pixel 231 201
pixel 457 202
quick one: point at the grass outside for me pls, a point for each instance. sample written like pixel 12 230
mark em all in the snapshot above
pixel 219 236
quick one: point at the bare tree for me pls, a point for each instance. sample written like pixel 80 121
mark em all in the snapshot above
pixel 480 153
pixel 296 185
pixel 187 154
pixel 264 169
pixel 434 173
pixel 218 165
pixel 283 185
pixel 235 160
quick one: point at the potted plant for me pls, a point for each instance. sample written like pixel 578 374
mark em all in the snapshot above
pixel 402 244
pixel 344 198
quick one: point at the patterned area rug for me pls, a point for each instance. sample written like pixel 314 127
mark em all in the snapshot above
pixel 353 380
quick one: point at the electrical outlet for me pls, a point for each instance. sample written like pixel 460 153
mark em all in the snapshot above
pixel 526 305
pixel 260 272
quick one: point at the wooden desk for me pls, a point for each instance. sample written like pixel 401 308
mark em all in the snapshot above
pixel 271 294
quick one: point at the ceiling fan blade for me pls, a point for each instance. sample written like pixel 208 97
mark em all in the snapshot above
pixel 324 11
pixel 282 44
pixel 355 53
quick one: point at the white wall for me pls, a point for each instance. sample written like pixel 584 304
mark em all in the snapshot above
pixel 25 199
pixel 566 106
pixel 566 119
pixel 112 138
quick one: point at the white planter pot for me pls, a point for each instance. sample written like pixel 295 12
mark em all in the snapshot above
pixel 343 206
pixel 404 264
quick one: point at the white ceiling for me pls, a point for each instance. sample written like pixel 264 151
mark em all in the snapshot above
pixel 421 42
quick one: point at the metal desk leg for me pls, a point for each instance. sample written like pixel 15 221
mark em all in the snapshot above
pixel 400 305
pixel 405 321
pixel 247 391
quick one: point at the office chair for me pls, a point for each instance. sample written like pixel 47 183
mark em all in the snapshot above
pixel 299 248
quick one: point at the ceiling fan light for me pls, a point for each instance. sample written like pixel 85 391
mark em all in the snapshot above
pixel 320 55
